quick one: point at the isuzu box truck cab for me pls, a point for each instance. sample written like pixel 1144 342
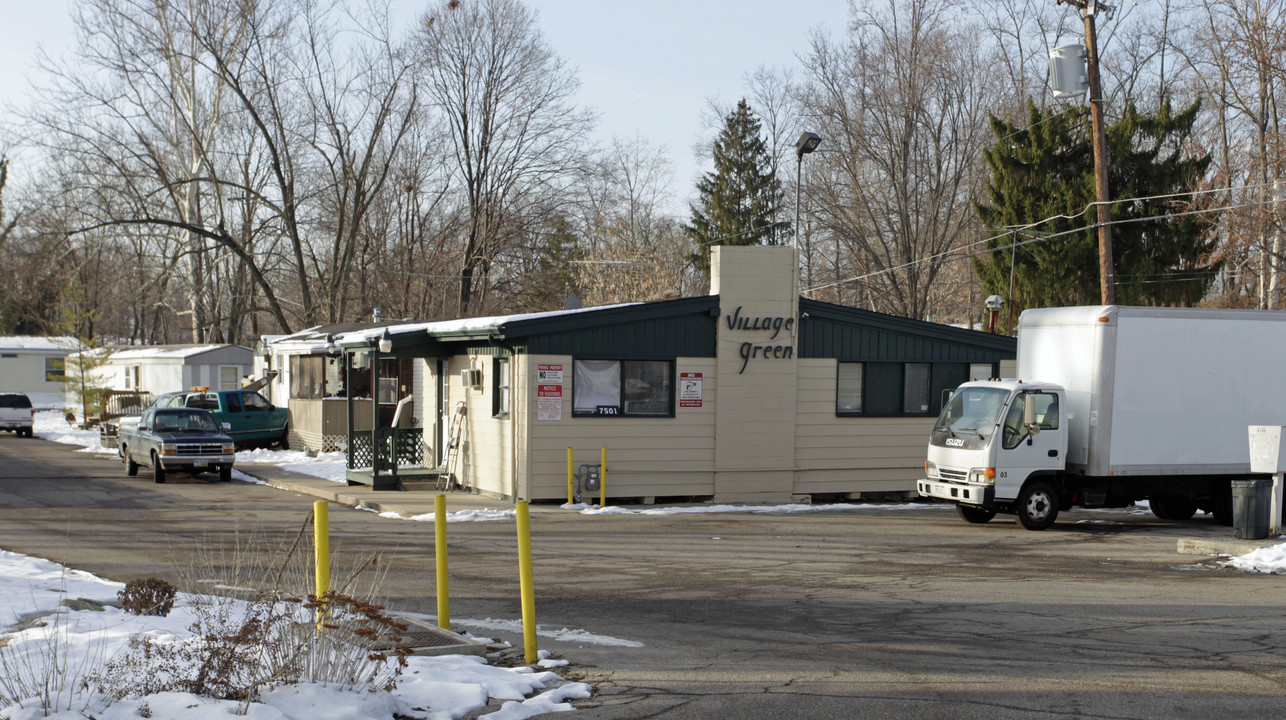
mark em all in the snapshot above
pixel 1113 405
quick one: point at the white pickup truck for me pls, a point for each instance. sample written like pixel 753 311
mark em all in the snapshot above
pixel 15 413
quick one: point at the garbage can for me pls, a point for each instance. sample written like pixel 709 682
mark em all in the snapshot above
pixel 1250 507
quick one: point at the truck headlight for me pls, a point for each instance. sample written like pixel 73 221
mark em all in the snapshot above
pixel 983 476
pixel 229 449
pixel 167 449
pixel 931 471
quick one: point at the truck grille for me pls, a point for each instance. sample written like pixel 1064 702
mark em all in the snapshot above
pixel 954 475
pixel 206 449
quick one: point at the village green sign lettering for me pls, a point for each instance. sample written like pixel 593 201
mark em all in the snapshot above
pixel 751 351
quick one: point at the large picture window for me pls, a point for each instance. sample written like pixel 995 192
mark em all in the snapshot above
pixel 630 388
pixel 894 389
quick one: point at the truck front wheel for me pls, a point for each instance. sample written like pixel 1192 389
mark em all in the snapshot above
pixel 975 515
pixel 131 467
pixel 1037 505
pixel 158 471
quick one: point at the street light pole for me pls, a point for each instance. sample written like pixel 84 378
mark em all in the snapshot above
pixel 807 143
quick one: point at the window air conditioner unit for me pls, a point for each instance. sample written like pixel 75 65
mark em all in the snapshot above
pixel 471 378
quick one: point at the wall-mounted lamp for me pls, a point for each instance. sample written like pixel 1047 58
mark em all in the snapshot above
pixel 332 347
pixel 386 342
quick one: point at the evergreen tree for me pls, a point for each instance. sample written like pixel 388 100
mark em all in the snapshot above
pixel 738 203
pixel 1046 169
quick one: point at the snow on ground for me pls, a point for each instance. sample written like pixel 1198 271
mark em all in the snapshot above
pixel 448 686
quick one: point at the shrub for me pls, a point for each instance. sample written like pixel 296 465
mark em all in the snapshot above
pixel 147 596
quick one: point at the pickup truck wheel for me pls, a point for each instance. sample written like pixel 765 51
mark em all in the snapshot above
pixel 975 515
pixel 284 442
pixel 225 473
pixel 131 467
pixel 1171 507
pixel 1037 505
pixel 158 472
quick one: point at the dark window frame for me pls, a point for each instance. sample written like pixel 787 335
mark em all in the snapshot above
pixel 501 403
pixel 671 382
pixel 884 389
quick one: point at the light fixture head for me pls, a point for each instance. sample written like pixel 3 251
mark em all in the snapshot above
pixel 808 142
pixel 332 347
pixel 386 342
pixel 994 302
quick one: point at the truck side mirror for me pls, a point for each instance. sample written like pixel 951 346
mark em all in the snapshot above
pixel 226 426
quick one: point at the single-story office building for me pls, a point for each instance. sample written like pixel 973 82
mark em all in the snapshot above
pixel 749 394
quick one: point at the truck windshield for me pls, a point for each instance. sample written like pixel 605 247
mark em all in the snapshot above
pixel 974 410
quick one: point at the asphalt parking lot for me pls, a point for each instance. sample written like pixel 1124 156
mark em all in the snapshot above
pixel 888 611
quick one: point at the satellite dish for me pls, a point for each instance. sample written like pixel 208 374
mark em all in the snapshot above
pixel 572 303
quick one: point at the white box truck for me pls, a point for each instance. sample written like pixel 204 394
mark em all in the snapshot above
pixel 1113 405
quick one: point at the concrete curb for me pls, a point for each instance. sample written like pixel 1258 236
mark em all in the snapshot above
pixel 405 503
pixel 1229 546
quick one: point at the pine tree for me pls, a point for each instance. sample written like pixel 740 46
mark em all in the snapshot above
pixel 1046 170
pixel 738 203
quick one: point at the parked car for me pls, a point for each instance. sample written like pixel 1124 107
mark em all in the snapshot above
pixel 15 413
pixel 177 440
pixel 251 419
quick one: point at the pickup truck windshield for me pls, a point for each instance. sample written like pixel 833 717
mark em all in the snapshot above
pixel 974 411
pixel 185 422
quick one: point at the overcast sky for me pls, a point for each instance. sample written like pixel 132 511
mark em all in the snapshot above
pixel 648 67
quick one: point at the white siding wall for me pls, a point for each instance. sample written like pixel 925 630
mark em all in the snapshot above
pixel 851 454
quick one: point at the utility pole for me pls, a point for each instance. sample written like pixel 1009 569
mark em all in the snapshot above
pixel 1107 280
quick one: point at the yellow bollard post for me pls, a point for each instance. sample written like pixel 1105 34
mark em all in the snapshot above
pixel 569 476
pixel 321 552
pixel 602 480
pixel 440 548
pixel 525 589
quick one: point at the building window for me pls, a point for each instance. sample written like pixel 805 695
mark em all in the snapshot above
pixel 848 388
pixel 132 378
pixel 915 389
pixel 55 369
pixel 629 388
pixel 500 393
pixel 229 377
pixel 981 371
pixel 307 377
pixel 891 389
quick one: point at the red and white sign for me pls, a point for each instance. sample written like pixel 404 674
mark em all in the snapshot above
pixel 549 392
pixel 691 389
pixel 552 374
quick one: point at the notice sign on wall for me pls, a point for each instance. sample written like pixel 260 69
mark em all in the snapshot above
pixel 549 392
pixel 691 390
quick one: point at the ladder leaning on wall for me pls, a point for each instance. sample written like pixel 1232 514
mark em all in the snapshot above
pixel 446 479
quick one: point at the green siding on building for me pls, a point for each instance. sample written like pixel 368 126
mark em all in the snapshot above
pixel 834 331
pixel 652 339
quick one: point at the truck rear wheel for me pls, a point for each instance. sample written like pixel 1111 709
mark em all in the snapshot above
pixel 1037 505
pixel 1172 507
pixel 975 515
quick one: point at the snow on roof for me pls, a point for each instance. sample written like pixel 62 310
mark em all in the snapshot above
pixel 465 324
pixel 165 351
pixel 35 343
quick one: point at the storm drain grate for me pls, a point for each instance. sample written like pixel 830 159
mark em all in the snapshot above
pixel 425 639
